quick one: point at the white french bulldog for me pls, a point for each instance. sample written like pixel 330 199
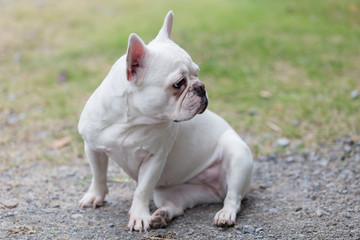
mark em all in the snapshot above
pixel 144 117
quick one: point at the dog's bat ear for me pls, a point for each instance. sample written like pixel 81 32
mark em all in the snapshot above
pixel 165 31
pixel 135 56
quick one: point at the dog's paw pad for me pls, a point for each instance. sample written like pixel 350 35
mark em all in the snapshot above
pixel 159 219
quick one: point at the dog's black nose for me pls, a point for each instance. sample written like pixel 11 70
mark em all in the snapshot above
pixel 199 89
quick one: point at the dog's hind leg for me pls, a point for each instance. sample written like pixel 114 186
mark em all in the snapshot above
pixel 238 164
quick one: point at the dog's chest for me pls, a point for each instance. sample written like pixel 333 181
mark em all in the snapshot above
pixel 130 146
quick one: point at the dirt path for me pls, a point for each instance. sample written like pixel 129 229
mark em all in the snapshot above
pixel 310 195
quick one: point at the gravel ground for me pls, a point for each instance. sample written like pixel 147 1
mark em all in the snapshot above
pixel 306 195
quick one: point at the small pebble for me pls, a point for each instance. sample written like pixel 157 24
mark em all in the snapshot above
pixel 273 210
pixel 354 94
pixel 300 159
pixel 282 142
pixel 9 215
pixel 161 230
pixel 347 149
pixel 76 216
pixel 111 225
pixel 290 159
pixel 253 112
pixel 263 159
pixel 319 212
pixel 15 118
pixel 62 77
pixel 259 229
pixel 324 162
pixel 17 58
pixel 248 229
pixel 296 123
pixel 273 157
pixel 332 156
pixel 237 232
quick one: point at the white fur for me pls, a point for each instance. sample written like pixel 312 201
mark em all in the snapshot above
pixel 134 117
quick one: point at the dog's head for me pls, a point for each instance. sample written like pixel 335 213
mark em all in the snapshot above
pixel 164 79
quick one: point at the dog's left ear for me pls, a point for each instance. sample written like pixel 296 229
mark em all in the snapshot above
pixel 135 57
pixel 165 31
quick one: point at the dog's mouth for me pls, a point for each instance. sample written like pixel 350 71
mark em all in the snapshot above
pixel 204 104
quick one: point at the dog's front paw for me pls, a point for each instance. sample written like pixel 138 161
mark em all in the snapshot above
pixel 160 218
pixel 139 222
pixel 225 217
pixel 93 198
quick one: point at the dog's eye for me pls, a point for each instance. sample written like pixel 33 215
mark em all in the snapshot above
pixel 179 84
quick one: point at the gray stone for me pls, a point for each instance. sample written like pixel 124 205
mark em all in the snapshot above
pixel 347 149
pixel 324 162
pixel 17 58
pixel 321 212
pixel 290 159
pixel 300 159
pixel 253 112
pixel 237 232
pixel 15 118
pixel 76 216
pixel 273 157
pixel 283 142
pixel 296 123
pixel 161 230
pixel 354 94
pixel 62 77
pixel 248 229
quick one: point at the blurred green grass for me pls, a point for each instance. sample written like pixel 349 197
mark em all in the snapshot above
pixel 306 54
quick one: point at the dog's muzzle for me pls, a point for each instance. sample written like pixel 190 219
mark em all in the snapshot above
pixel 199 89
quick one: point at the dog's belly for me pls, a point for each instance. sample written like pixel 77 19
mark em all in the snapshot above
pixel 195 149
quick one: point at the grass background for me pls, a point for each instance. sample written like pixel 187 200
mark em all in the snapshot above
pixel 304 54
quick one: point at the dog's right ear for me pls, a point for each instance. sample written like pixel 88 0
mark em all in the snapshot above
pixel 135 57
